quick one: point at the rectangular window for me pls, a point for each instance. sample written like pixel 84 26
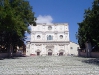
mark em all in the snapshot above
pixel 50 37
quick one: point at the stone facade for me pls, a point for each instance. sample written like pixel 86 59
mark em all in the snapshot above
pixel 49 39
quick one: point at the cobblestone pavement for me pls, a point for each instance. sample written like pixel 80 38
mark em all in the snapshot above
pixel 49 65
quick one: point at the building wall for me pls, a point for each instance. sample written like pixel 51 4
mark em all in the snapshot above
pixel 74 48
pixel 46 38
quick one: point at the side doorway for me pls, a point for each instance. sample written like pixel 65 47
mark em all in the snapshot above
pixel 61 52
pixel 50 53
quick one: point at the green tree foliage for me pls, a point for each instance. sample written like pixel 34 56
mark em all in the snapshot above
pixel 89 28
pixel 15 16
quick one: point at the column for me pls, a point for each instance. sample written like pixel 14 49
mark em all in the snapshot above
pixel 65 48
pixel 28 49
pixel 68 48
pixel 32 36
pixel 56 49
pixel 55 36
pixel 43 36
pixel 33 49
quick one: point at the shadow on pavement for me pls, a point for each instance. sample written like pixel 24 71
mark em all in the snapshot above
pixel 94 61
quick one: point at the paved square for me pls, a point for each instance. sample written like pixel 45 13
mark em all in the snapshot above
pixel 50 65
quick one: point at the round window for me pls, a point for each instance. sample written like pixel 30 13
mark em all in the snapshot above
pixel 38 36
pixel 61 36
pixel 49 27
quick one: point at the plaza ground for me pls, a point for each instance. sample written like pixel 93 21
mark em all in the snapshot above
pixel 50 65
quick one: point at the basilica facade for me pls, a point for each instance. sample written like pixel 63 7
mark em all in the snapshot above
pixel 49 39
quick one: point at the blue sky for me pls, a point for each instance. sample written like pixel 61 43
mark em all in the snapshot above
pixel 61 11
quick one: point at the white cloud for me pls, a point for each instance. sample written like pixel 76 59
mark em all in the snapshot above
pixel 44 19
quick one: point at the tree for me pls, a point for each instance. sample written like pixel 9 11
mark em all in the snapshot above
pixel 89 28
pixel 15 16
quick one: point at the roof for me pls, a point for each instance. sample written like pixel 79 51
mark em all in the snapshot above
pixel 74 42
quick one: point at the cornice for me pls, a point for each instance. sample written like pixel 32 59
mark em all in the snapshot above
pixel 52 42
pixel 66 24
pixel 28 42
pixel 34 32
pixel 74 42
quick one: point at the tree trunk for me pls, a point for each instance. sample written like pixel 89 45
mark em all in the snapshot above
pixel 10 51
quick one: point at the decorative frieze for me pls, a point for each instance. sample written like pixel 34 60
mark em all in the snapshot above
pixel 61 50
pixel 61 44
pixel 55 32
pixel 43 33
pixel 38 50
pixel 49 46
pixel 38 44
pixel 65 32
pixel 33 33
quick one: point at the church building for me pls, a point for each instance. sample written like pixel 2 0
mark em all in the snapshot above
pixel 49 39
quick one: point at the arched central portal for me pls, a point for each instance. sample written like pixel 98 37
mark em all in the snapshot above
pixel 61 54
pixel 38 52
pixel 49 52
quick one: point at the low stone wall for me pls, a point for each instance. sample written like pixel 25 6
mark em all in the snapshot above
pixel 4 55
pixel 17 54
pixel 83 54
pixel 93 54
